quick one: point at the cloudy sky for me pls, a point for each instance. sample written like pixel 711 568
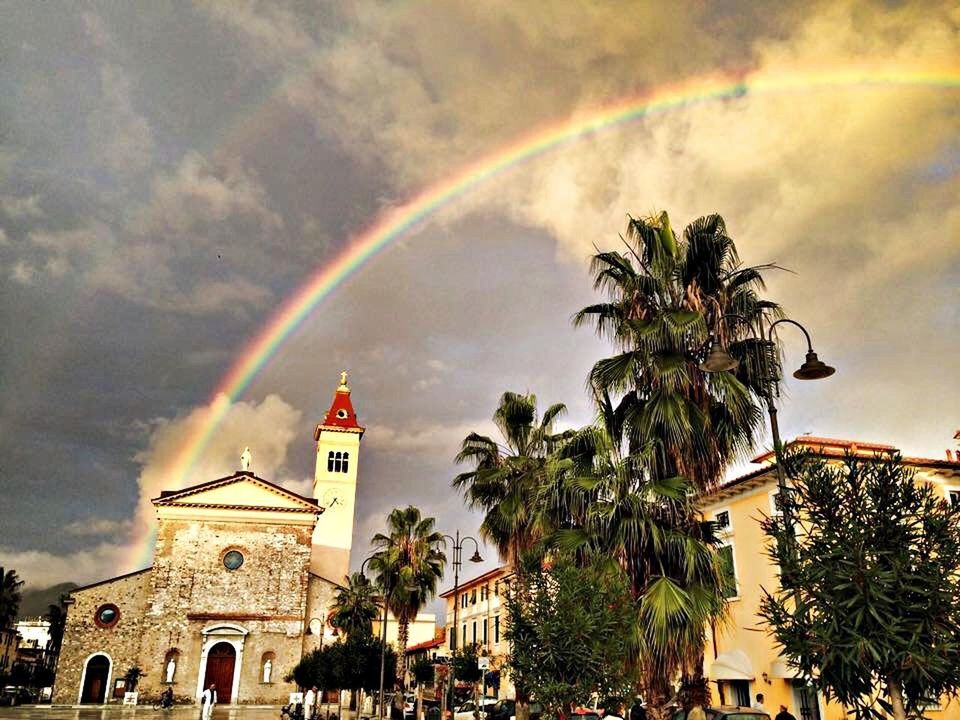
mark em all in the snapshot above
pixel 170 172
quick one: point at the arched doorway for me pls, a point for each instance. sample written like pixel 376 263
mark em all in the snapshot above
pixel 220 666
pixel 95 676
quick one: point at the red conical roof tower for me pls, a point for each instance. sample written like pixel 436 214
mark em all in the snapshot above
pixel 341 417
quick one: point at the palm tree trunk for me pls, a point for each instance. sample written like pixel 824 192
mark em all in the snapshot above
pixel 403 636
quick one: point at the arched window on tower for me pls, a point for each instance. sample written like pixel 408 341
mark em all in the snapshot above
pixel 346 460
pixel 330 461
pixel 337 462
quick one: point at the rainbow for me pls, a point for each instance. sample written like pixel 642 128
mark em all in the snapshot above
pixel 414 213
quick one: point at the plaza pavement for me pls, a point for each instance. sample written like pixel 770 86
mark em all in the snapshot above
pixel 119 712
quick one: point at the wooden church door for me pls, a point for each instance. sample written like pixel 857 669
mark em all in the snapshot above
pixel 220 667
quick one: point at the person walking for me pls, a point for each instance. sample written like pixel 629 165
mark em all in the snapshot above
pixel 758 705
pixel 637 711
pixel 207 701
pixel 615 711
pixel 783 714
pixel 309 700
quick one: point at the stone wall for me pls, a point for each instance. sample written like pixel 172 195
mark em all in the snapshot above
pixel 192 592
pixel 83 637
pixel 320 599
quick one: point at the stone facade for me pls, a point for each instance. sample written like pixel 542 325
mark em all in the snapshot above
pixel 84 638
pixel 190 601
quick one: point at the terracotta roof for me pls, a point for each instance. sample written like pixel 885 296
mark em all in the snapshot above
pixel 824 443
pixel 827 447
pixel 439 639
pixel 473 582
pixel 166 496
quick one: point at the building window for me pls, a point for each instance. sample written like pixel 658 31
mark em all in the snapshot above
pixel 483 592
pixel 722 520
pixel 107 615
pixel 330 461
pixel 266 667
pixel 338 462
pixel 953 497
pixel 346 461
pixel 473 597
pixel 729 571
pixel 233 559
pixel 342 414
pixel 775 503
pixel 452 639
pixel 496 589
pixel 474 632
pixel 496 628
pixel 464 635
pixel 484 631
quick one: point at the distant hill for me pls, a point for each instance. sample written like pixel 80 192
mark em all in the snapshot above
pixel 37 602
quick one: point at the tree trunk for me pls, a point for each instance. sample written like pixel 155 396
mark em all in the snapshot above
pixel 419 700
pixel 657 695
pixel 896 699
pixel 403 636
pixel 523 708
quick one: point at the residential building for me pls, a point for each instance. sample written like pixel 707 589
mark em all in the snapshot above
pixel 741 656
pixel 422 629
pixel 481 621
pixel 9 640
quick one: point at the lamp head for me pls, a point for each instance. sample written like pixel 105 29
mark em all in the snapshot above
pixel 476 557
pixel 813 368
pixel 718 360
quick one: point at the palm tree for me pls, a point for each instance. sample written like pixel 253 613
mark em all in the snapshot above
pixel 667 300
pixel 10 597
pixel 355 606
pixel 666 431
pixel 506 476
pixel 409 563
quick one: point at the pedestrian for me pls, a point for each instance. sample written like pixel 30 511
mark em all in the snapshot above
pixel 783 714
pixel 207 701
pixel 396 705
pixel 637 711
pixel 309 700
pixel 615 710
pixel 758 705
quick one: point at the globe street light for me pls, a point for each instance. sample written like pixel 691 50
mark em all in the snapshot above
pixel 457 564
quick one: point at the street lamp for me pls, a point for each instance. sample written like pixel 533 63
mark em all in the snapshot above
pixel 383 640
pixel 457 564
pixel 719 360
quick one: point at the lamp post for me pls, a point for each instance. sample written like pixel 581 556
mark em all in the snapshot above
pixel 383 640
pixel 457 564
pixel 719 360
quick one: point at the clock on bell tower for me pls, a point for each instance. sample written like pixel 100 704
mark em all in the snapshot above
pixel 335 485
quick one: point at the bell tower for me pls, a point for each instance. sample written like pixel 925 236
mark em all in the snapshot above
pixel 335 485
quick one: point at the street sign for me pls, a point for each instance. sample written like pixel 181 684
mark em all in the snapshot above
pixel 483 663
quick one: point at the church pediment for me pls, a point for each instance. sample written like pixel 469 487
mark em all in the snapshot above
pixel 241 491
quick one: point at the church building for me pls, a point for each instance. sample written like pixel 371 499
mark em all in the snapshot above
pixel 243 578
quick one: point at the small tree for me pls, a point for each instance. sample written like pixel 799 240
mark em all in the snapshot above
pixel 569 629
pixel 423 672
pixel 869 597
pixel 132 677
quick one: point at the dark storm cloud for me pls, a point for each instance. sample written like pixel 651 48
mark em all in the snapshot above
pixel 170 172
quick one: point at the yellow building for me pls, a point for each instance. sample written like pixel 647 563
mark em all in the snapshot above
pixel 741 657
pixel 481 618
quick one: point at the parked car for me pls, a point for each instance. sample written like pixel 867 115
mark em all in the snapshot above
pixel 13 695
pixel 727 712
pixel 409 706
pixel 507 710
pixel 468 711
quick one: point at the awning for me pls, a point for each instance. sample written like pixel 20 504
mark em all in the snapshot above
pixel 731 665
